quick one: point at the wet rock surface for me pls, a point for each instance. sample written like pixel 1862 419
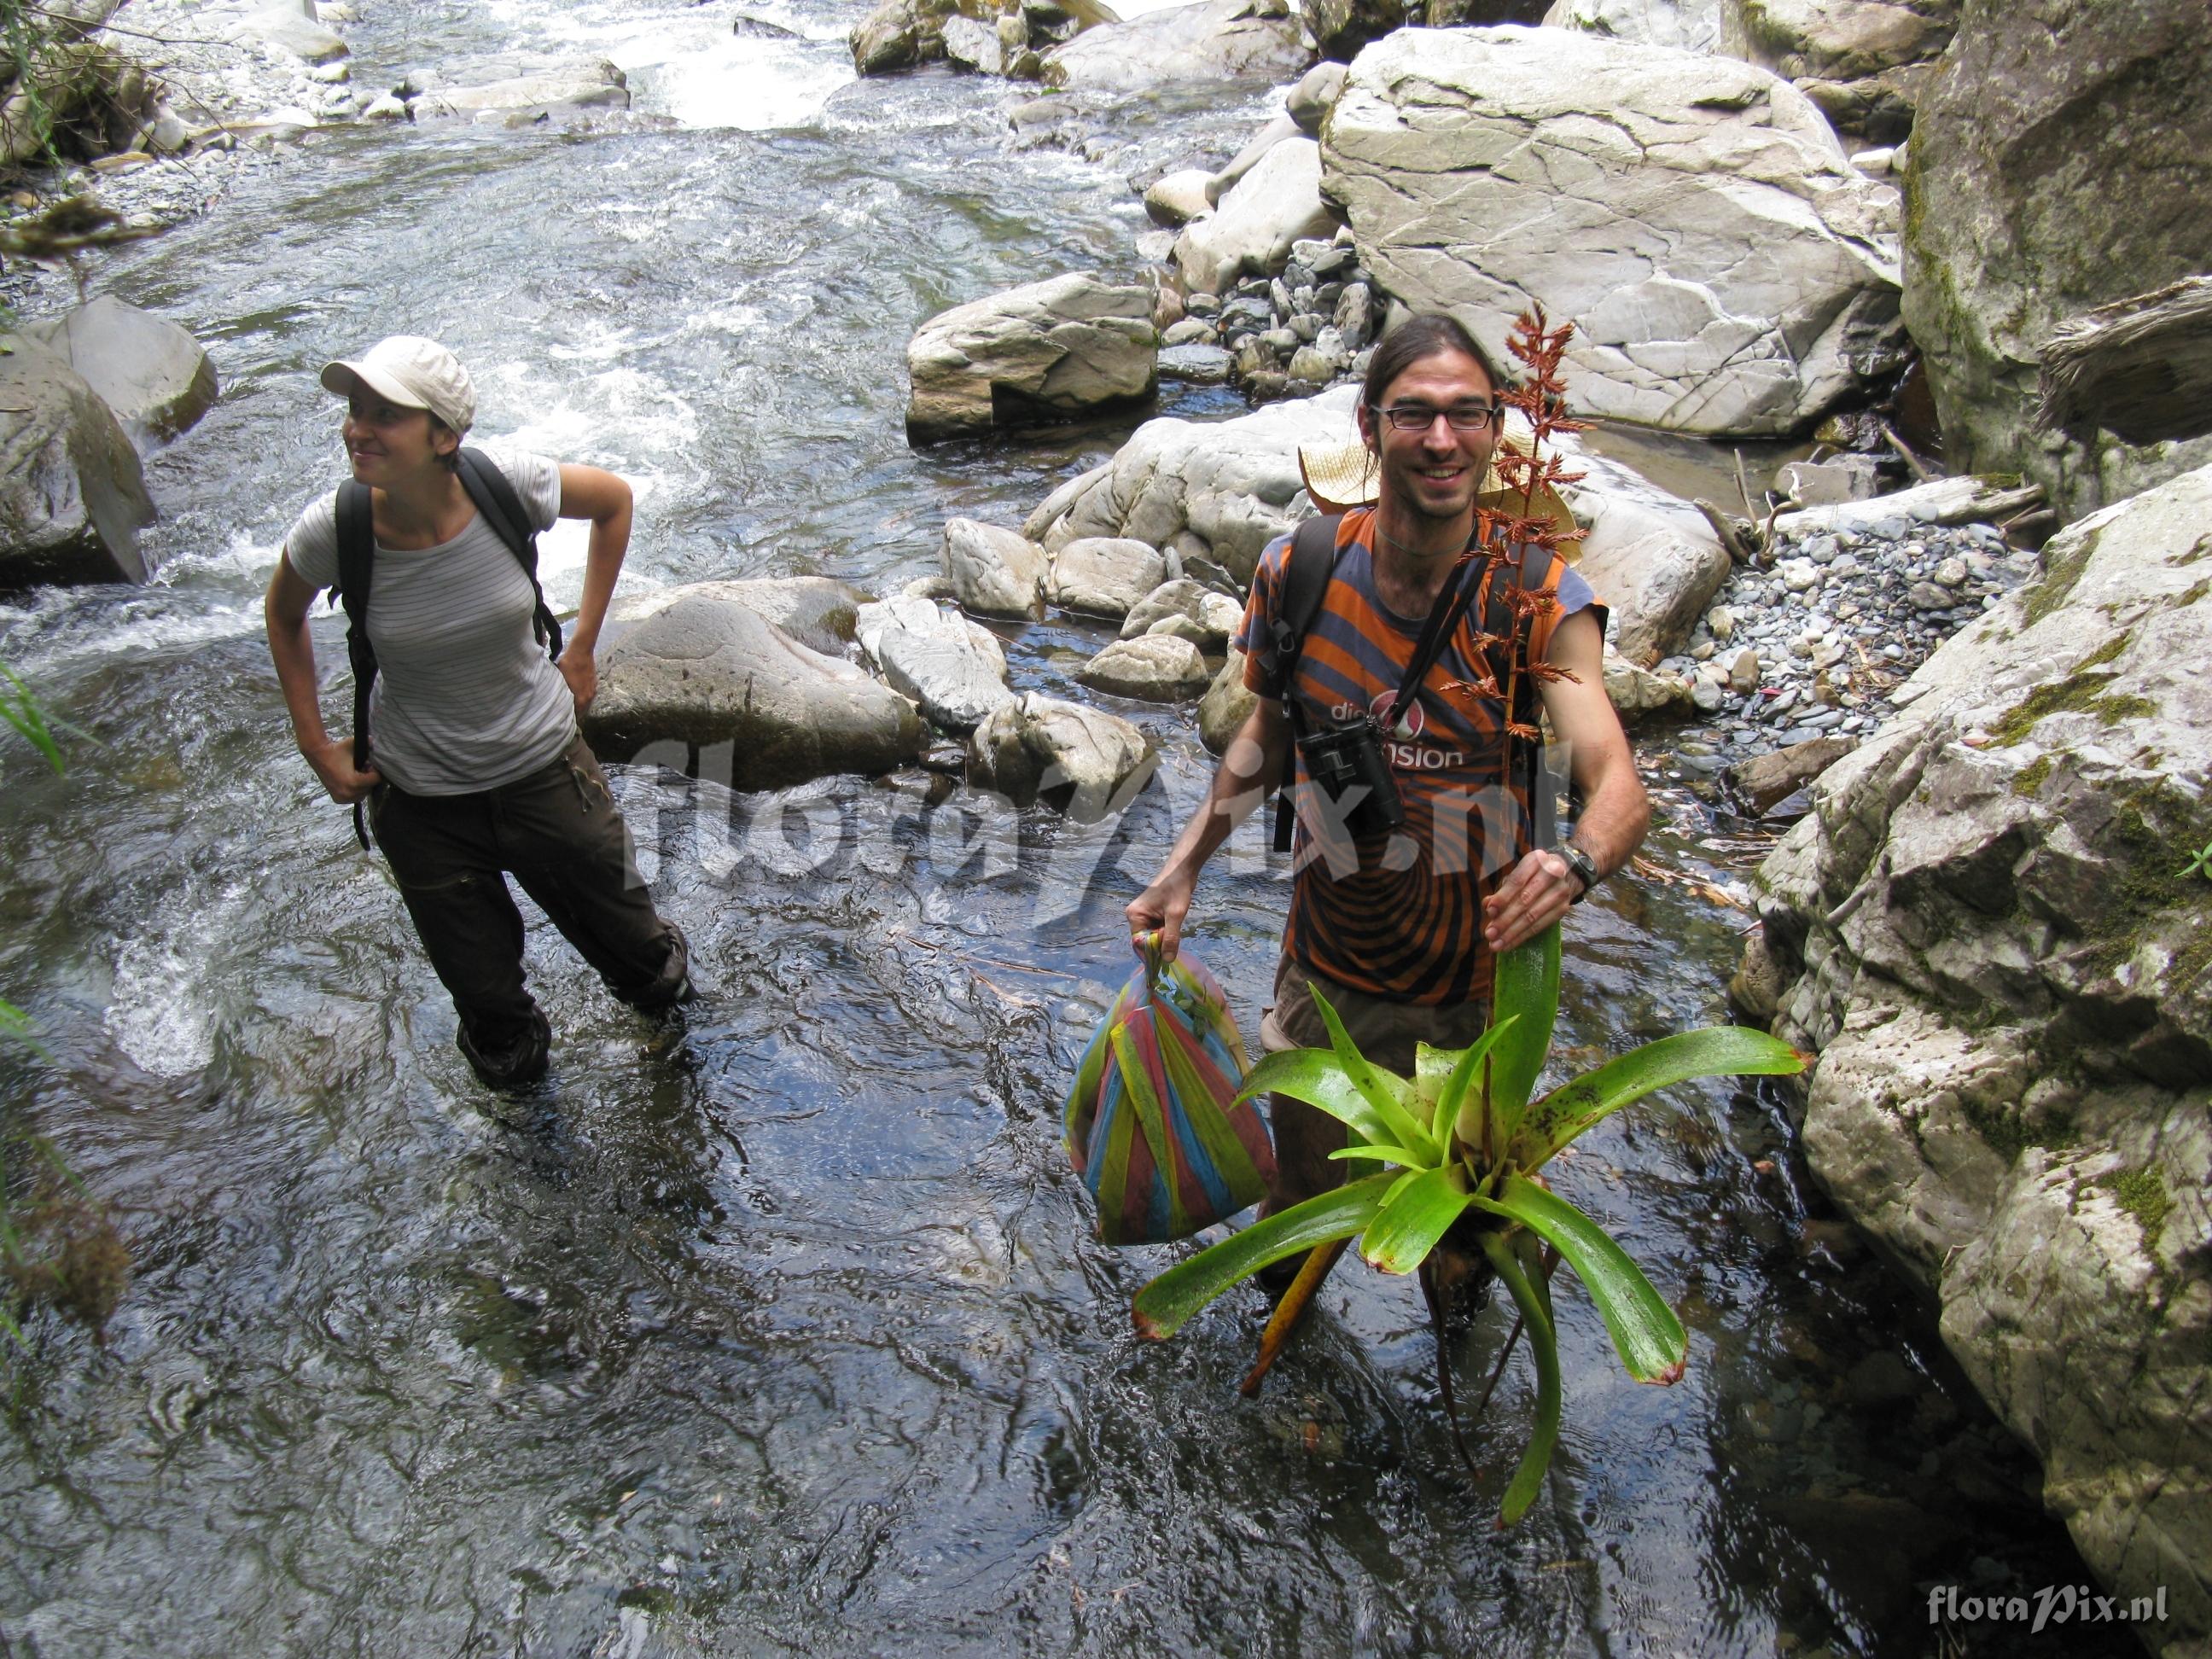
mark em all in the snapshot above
pixel 1986 928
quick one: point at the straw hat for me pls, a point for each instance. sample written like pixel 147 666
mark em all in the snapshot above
pixel 1343 475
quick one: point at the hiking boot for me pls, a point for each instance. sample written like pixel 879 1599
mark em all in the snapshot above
pixel 514 1059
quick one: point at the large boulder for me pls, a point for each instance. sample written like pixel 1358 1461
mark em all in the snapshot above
pixel 1251 230
pixel 820 613
pixel 587 83
pixel 2062 161
pixel 1728 269
pixel 1227 704
pixel 1222 489
pixel 995 572
pixel 1865 63
pixel 1041 748
pixel 1153 668
pixel 955 669
pixel 1105 575
pixel 149 373
pixel 1037 354
pixel 1199 44
pixel 702 666
pixel 1989 929
pixel 72 498
pixel 1653 559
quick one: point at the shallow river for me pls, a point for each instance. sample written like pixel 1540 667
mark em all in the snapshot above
pixel 783 1332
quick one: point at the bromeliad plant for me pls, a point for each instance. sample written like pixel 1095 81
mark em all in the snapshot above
pixel 1463 1145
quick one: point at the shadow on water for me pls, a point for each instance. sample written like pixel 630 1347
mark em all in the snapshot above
pixel 778 1328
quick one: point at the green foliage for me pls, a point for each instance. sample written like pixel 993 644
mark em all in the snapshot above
pixel 1466 1144
pixel 2200 863
pixel 2031 777
pixel 2082 692
pixel 21 710
pixel 2142 1195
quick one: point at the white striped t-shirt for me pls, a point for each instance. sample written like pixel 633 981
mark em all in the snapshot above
pixel 465 697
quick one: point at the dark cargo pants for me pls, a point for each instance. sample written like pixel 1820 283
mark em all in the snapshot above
pixel 559 833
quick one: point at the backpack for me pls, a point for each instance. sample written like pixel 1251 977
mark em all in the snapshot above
pixel 1306 576
pixel 498 505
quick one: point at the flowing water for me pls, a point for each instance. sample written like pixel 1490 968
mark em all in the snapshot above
pixel 781 1331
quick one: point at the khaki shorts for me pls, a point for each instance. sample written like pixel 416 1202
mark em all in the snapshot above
pixel 1386 1032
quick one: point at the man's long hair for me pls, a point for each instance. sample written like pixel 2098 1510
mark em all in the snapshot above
pixel 1424 334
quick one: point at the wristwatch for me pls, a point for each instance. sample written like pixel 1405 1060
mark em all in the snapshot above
pixel 1583 866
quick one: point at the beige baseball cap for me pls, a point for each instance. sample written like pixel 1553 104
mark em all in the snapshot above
pixel 412 371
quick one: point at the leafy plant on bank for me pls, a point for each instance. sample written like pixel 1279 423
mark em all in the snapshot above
pixel 1463 1145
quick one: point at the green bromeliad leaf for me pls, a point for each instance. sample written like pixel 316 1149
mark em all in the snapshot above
pixel 1398 1155
pixel 1650 1339
pixel 1390 1095
pixel 1525 990
pixel 1450 1097
pixel 1714 1051
pixel 1411 1221
pixel 1163 1306
pixel 1317 1077
pixel 1530 1295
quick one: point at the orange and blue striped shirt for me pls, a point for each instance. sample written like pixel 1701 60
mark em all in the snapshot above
pixel 1399 916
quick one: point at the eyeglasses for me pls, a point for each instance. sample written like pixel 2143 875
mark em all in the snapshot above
pixel 1462 417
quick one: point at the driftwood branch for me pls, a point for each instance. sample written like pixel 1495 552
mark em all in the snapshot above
pixel 2141 369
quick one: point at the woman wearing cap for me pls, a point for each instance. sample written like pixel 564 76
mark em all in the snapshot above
pixel 479 768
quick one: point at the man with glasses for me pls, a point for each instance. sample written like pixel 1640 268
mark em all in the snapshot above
pixel 1397 914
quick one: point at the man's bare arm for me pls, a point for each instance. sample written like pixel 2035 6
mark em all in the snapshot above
pixel 1249 767
pixel 1615 813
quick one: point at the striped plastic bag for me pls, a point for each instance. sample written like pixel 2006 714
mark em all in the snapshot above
pixel 1149 1124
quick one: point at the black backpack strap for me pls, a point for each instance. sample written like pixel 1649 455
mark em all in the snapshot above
pixel 356 565
pixel 502 510
pixel 1306 576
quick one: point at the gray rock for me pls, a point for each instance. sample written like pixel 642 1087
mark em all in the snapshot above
pixel 1273 133
pixel 1232 483
pixel 955 669
pixel 1728 272
pixel 1311 100
pixel 586 84
pixel 1765 780
pixel 150 372
pixel 1176 198
pixel 1824 483
pixel 1104 575
pixel 1252 228
pixel 1189 331
pixel 1156 668
pixel 1640 693
pixel 383 107
pixel 705 668
pixel 1038 353
pixel 1201 364
pixel 1075 759
pixel 1226 706
pixel 2000 250
pixel 1989 883
pixel 821 613
pixel 1354 318
pixel 995 572
pixel 291 30
pixel 1203 44
pixel 72 498
pixel 1206 619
